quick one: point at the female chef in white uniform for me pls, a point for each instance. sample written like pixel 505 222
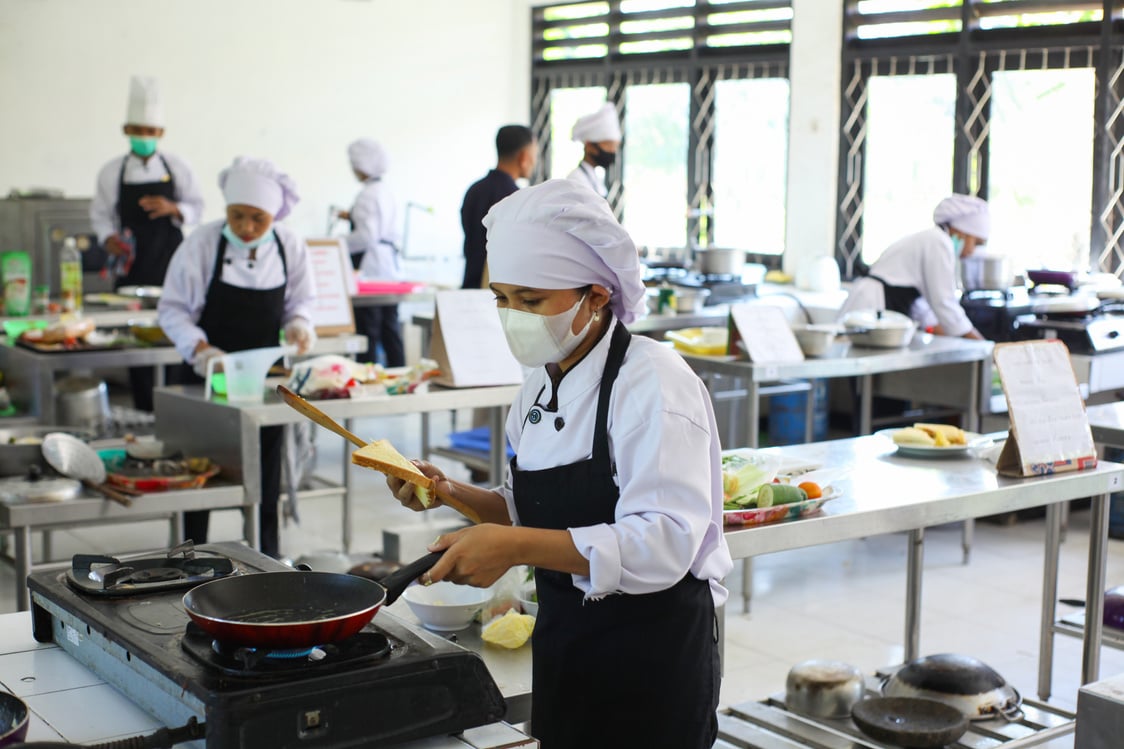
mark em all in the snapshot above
pixel 916 275
pixel 235 284
pixel 600 136
pixel 615 493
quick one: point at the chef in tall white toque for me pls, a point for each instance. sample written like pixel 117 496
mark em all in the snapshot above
pixel 600 132
pixel 614 494
pixel 141 203
pixel 237 284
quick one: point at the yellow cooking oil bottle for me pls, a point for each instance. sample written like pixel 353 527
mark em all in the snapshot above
pixel 70 276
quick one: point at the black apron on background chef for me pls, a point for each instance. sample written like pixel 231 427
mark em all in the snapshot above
pixel 600 136
pixel 141 203
pixel 615 493
pixel 373 243
pixel 916 275
pixel 237 284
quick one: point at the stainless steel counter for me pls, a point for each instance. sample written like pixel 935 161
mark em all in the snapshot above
pixel 884 493
pixel 945 371
pixel 87 510
pixel 30 375
pixel 229 432
pixel 71 703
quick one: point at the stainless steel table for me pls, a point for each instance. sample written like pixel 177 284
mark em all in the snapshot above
pixel 383 300
pixel 23 519
pixel 229 432
pixel 946 371
pixel 30 375
pixel 943 491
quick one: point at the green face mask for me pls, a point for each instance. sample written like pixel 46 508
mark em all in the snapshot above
pixel 143 147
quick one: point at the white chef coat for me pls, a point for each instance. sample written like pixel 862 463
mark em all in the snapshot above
pixel 189 277
pixel 925 261
pixel 103 208
pixel 592 177
pixel 375 219
pixel 664 445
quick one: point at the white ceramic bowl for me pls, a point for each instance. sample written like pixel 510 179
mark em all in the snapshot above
pixel 527 600
pixel 815 340
pixel 446 606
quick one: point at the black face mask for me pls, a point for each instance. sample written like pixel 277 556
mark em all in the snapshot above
pixel 604 158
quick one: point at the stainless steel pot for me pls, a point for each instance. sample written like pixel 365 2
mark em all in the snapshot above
pixel 82 402
pixel 960 681
pixel 986 272
pixel 823 689
pixel 689 300
pixel 720 261
pixel 879 328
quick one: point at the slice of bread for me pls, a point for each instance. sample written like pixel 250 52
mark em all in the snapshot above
pixel 954 435
pixel 913 436
pixel 382 456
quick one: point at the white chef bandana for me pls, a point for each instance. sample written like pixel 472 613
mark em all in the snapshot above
pixel 560 235
pixel 145 106
pixel 258 182
pixel 598 127
pixel 368 156
pixel 964 213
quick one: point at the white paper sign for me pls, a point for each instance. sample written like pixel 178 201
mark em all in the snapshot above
pixel 332 278
pixel 1049 427
pixel 765 331
pixel 468 342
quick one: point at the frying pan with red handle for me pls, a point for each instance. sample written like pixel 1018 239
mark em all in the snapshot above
pixel 294 610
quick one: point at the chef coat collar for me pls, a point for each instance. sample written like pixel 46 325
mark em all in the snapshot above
pixel 586 372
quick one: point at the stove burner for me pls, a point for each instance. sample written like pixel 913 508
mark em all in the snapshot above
pixel 109 576
pixel 249 662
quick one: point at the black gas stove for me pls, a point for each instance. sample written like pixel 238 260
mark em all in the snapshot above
pixel 124 619
pixel 1092 334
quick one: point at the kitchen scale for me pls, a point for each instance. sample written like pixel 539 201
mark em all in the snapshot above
pixel 387 684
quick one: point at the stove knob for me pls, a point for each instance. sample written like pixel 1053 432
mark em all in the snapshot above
pixel 1113 334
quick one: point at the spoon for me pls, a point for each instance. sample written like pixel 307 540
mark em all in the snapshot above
pixel 302 406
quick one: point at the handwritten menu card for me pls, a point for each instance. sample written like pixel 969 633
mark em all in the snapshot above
pixel 1049 427
pixel 333 279
pixel 468 343
pixel 764 330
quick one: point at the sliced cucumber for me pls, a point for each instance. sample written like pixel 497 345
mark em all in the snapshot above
pixel 779 494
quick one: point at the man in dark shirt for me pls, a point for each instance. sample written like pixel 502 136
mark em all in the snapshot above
pixel 516 153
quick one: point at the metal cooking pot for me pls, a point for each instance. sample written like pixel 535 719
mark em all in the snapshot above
pixel 689 300
pixel 720 261
pixel 960 681
pixel 981 271
pixel 823 689
pixel 82 402
pixel 20 447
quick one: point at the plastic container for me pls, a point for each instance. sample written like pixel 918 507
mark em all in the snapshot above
pixel 245 372
pixel 700 341
pixel 70 276
pixel 15 269
pixel 786 416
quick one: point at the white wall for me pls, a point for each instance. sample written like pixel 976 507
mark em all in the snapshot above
pixel 293 80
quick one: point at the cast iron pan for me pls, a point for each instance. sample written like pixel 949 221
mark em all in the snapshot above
pixel 294 610
pixel 909 721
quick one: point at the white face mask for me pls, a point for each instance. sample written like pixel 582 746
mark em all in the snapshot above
pixel 537 340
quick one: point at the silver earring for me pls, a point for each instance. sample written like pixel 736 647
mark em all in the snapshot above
pixel 596 316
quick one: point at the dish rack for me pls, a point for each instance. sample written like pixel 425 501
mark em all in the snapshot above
pixel 769 725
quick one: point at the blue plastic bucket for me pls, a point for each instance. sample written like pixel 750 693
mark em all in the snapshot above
pixel 786 416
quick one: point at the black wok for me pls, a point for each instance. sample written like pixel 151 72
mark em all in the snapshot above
pixel 960 681
pixel 293 610
pixel 14 719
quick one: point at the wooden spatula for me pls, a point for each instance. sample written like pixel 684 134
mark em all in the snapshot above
pixel 315 414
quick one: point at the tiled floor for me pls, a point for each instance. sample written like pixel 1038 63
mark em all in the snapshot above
pixel 843 601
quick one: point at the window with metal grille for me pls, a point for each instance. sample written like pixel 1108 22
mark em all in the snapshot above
pixel 662 63
pixel 1036 125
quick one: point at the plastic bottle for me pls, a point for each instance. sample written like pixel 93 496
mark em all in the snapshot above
pixel 70 276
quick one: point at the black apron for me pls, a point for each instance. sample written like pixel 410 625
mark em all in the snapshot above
pixel 156 238
pixel 237 319
pixel 627 670
pixel 898 298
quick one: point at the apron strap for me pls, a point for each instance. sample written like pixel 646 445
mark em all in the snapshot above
pixel 220 256
pixel 618 345
pixel 121 182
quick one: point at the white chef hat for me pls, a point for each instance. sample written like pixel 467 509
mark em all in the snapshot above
pixel 561 235
pixel 368 156
pixel 602 125
pixel 258 182
pixel 965 213
pixel 145 106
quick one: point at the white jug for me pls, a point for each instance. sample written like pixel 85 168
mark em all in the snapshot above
pixel 246 372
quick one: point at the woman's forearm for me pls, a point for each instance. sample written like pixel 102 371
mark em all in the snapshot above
pixel 489 505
